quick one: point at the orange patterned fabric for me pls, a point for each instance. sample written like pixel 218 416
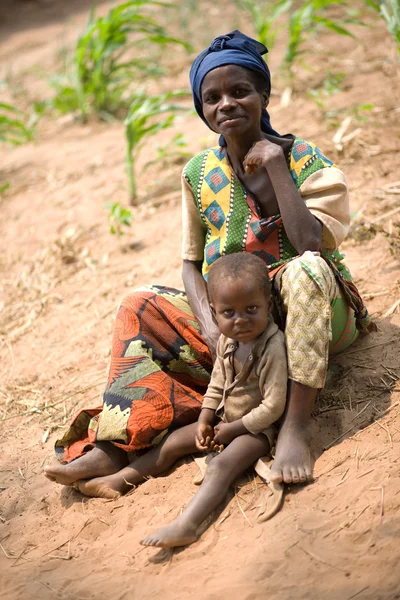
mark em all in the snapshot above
pixel 159 370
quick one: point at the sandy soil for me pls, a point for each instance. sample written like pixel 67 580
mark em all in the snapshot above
pixel 62 275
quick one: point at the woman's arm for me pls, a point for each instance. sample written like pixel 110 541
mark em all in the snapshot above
pixel 302 228
pixel 196 291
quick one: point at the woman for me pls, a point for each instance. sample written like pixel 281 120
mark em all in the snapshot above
pixel 275 196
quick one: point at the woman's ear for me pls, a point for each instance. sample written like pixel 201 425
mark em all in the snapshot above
pixel 265 99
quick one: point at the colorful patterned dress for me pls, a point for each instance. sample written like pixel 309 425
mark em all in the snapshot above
pixel 160 365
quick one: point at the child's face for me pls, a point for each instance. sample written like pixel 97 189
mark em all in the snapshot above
pixel 241 309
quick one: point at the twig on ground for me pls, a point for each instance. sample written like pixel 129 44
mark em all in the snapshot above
pixel 366 473
pixel 387 431
pixel 361 411
pixel 242 511
pixel 337 464
pixel 356 350
pixel 388 214
pixel 320 559
pixel 378 416
pixel 358 593
pixel 5 552
pixel 222 520
pixel 348 524
pixel 36 410
pixel 392 309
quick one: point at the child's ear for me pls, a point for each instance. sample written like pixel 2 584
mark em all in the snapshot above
pixel 214 318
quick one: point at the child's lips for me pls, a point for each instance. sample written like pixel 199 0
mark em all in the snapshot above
pixel 243 332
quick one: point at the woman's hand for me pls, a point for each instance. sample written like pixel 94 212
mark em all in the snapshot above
pixel 261 154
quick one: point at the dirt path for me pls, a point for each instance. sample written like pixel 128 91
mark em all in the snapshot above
pixel 62 275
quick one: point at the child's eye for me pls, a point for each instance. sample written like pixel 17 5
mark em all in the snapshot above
pixel 251 309
pixel 228 313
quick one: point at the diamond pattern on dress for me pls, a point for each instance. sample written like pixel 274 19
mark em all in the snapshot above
pixel 212 252
pixel 269 259
pixel 301 149
pixel 220 153
pixel 262 229
pixel 215 215
pixel 217 179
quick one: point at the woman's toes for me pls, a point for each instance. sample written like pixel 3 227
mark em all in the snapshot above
pixel 302 475
pixel 287 475
pixel 276 475
pixel 295 476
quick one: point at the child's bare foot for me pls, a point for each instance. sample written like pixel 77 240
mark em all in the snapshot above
pixel 104 459
pixel 178 533
pixel 111 487
pixel 293 461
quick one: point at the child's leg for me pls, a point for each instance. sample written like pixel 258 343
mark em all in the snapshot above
pixel 154 462
pixel 241 453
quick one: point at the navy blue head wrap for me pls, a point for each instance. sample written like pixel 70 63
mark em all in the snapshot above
pixel 234 48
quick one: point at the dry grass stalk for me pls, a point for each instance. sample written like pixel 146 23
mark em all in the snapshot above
pixel 241 510
pixel 320 560
pixel 5 552
pixel 37 409
pixel 358 593
pixel 392 309
pixel 366 473
pixel 348 524
pixel 32 290
pixel 378 416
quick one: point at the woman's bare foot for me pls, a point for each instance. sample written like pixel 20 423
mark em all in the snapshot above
pixel 293 461
pixel 178 533
pixel 104 459
pixel 111 487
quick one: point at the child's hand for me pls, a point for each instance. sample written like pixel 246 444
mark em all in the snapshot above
pixel 204 437
pixel 224 433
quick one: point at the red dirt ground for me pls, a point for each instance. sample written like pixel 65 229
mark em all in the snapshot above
pixel 62 275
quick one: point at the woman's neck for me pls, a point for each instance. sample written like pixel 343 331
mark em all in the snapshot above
pixel 237 148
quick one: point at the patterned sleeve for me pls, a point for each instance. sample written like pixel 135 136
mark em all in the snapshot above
pixel 324 189
pixel 193 229
pixel 326 195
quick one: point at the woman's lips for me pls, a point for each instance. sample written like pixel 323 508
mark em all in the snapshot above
pixel 230 121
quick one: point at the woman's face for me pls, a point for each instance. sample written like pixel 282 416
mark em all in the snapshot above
pixel 232 105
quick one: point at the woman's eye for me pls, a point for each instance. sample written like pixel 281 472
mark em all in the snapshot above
pixel 211 99
pixel 241 92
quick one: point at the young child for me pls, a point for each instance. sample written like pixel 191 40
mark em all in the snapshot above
pixel 247 391
pixel 246 395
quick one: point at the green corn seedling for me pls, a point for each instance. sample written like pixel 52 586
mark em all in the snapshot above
pixel 119 217
pixel 390 12
pixel 147 115
pixel 113 52
pixel 264 16
pixel 13 130
pixel 306 21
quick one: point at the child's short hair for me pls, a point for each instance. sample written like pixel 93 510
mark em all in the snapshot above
pixel 239 265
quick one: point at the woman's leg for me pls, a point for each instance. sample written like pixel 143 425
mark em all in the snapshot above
pixel 104 459
pixel 241 453
pixel 153 463
pixel 307 287
pixel 159 370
